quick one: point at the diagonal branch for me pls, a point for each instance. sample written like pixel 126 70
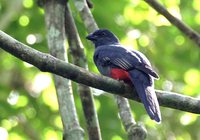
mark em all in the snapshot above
pixel 190 33
pixel 135 131
pixel 86 15
pixel 48 63
pixel 79 59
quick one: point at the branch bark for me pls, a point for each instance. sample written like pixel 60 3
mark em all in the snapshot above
pixel 134 131
pixel 54 18
pixel 48 63
pixel 79 59
pixel 189 32
pixel 86 15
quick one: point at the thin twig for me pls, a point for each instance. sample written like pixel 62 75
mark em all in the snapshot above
pixel 79 59
pixel 54 18
pixel 48 63
pixel 189 32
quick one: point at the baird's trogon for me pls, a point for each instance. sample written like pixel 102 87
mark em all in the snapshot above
pixel 131 66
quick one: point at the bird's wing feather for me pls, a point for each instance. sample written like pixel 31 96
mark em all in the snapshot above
pixel 120 57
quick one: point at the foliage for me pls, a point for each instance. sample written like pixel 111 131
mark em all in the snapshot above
pixel 28 103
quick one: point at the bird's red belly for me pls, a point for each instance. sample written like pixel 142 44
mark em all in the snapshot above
pixel 120 74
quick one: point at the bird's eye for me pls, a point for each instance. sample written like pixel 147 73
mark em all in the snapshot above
pixel 103 34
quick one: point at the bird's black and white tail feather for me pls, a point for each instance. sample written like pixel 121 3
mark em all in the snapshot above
pixel 144 86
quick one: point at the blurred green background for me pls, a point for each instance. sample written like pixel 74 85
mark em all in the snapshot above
pixel 28 102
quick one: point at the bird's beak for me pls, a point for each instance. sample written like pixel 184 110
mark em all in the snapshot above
pixel 91 37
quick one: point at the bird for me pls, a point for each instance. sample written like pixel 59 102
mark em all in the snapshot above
pixel 131 66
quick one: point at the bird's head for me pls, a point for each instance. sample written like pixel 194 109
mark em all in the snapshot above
pixel 102 37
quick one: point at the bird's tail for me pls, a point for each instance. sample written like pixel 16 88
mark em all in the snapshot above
pixel 144 86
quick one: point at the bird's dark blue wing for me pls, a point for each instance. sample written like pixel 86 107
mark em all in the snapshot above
pixel 118 56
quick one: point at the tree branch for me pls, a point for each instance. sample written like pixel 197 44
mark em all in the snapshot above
pixel 48 63
pixel 190 33
pixel 54 19
pixel 79 59
pixel 86 15
pixel 134 131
